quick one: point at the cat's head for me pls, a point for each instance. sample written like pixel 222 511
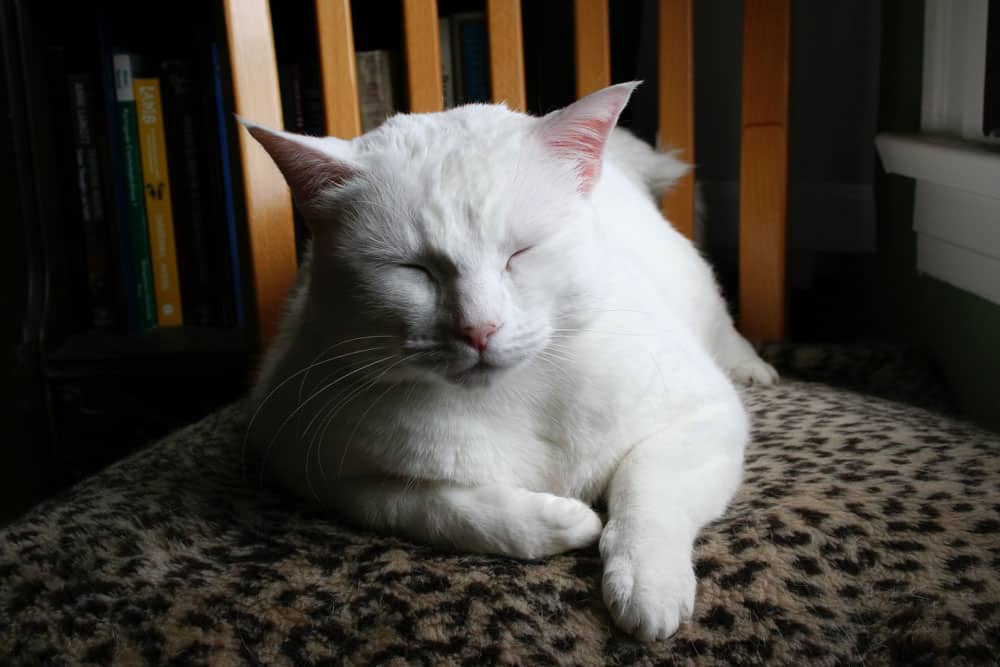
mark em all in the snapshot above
pixel 467 235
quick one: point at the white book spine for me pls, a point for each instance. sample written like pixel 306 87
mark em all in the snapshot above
pixel 375 93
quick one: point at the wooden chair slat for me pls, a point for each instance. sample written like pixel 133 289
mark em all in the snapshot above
pixel 335 34
pixel 268 202
pixel 423 55
pixel 764 169
pixel 676 105
pixel 591 26
pixel 506 53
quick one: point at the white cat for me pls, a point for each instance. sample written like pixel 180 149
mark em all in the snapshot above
pixel 495 329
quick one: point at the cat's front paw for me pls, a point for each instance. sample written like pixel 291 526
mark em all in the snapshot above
pixel 753 371
pixel 559 524
pixel 535 525
pixel 649 588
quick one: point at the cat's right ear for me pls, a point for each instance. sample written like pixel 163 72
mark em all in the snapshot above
pixel 312 166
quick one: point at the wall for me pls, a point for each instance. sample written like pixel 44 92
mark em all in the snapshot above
pixel 959 330
pixel 832 120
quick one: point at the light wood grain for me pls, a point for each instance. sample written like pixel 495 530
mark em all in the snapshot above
pixel 268 202
pixel 764 169
pixel 676 105
pixel 503 18
pixel 592 45
pixel 335 35
pixel 423 55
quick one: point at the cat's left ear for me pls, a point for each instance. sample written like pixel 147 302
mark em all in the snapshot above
pixel 580 131
pixel 312 166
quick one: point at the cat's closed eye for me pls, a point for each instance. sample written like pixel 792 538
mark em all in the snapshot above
pixel 419 268
pixel 516 254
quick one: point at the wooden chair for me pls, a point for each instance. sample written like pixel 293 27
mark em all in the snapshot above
pixel 865 530
pixel 763 145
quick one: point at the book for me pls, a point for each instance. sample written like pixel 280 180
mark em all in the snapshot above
pixel 293 113
pixel 93 215
pixel 290 88
pixel 198 276
pixel 159 207
pixel 228 195
pixel 447 64
pixel 375 93
pixel 471 57
pixel 125 64
pixel 302 98
pixel 113 162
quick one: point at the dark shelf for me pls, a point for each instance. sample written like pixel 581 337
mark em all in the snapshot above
pixel 181 347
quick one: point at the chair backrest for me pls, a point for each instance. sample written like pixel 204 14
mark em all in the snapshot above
pixel 763 149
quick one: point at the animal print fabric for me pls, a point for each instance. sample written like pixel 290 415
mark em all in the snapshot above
pixel 866 531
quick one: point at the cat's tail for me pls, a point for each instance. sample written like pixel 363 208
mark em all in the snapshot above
pixel 655 171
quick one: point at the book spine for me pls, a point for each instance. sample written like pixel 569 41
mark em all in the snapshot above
pixel 96 237
pixel 447 64
pixel 290 86
pixel 199 287
pixel 455 29
pixel 159 209
pixel 115 161
pixel 227 186
pixel 475 60
pixel 374 69
pixel 135 201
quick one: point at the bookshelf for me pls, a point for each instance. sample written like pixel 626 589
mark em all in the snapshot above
pixel 95 389
pixel 97 382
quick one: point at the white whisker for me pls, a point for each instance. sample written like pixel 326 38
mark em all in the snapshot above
pixel 566 350
pixel 603 333
pixel 329 419
pixel 270 394
pixel 335 397
pixel 599 310
pixel 308 400
pixel 552 354
pixel 335 345
pixel 548 361
pixel 357 425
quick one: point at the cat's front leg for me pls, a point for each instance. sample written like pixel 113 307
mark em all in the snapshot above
pixel 660 496
pixel 738 358
pixel 493 519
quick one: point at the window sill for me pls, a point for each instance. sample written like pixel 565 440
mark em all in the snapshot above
pixel 965 165
pixel 956 211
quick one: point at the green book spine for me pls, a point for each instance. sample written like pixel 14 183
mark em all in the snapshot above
pixel 125 65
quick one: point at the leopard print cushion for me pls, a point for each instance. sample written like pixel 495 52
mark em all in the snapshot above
pixel 866 532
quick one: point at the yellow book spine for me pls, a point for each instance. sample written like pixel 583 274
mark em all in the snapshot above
pixel 159 211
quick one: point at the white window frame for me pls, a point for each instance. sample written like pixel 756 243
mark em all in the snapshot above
pixel 954 67
pixel 957 202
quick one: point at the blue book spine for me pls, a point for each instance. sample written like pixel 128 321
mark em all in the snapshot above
pixel 117 160
pixel 227 188
pixel 477 75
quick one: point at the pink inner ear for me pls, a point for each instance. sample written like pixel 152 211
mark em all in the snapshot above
pixel 308 170
pixel 580 131
pixel 586 146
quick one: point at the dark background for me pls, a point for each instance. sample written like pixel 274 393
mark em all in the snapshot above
pixel 856 70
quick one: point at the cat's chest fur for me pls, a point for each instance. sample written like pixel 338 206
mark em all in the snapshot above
pixel 555 429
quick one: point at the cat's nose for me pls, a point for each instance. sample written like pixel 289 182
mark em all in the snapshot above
pixel 478 335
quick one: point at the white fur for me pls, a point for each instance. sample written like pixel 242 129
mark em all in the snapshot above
pixel 606 378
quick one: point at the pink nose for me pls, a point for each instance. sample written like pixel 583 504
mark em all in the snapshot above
pixel 478 336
